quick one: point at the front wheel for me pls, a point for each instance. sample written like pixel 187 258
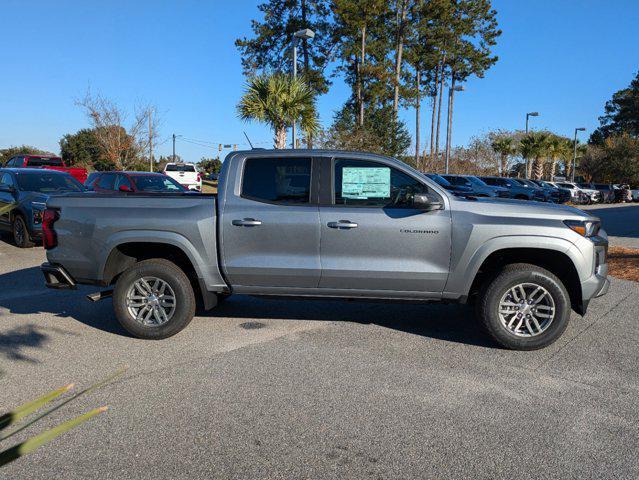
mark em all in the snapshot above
pixel 21 236
pixel 525 307
pixel 154 299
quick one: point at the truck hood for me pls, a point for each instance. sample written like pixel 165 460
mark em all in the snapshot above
pixel 507 207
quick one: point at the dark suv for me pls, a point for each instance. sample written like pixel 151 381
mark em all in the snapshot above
pixel 479 187
pixel 517 190
pixel 132 182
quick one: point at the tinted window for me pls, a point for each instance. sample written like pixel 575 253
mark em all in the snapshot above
pixel 457 180
pixel 48 182
pixel 156 183
pixel 123 180
pixel 374 185
pixel 91 178
pixel 285 180
pixel 6 179
pixel 179 168
pixel 106 181
pixel 44 161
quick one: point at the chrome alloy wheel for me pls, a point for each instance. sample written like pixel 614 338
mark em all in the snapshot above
pixel 526 310
pixel 151 301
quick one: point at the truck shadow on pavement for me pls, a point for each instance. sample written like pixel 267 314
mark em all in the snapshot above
pixel 454 323
pixel 22 293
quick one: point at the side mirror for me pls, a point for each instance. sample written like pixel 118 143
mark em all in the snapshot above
pixel 125 188
pixel 426 202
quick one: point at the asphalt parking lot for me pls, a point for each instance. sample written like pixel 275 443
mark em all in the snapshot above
pixel 321 390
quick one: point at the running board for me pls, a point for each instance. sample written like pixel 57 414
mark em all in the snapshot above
pixel 97 296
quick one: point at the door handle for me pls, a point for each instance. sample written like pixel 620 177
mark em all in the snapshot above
pixel 342 225
pixel 247 222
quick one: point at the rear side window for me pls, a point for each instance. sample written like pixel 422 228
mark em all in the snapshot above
pixel 44 162
pixel 123 180
pixel 180 168
pixel 277 180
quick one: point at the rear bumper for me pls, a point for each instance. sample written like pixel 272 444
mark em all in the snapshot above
pixel 55 276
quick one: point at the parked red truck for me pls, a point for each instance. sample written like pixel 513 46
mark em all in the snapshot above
pixel 48 162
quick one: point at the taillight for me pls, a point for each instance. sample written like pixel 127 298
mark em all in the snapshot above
pixel 199 177
pixel 49 237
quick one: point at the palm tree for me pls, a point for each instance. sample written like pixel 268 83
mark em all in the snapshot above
pixel 505 147
pixel 534 146
pixel 278 100
pixel 559 148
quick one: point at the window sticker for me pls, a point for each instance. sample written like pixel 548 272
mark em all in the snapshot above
pixel 365 182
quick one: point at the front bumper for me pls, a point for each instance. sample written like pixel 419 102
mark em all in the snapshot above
pixel 598 283
pixel 55 276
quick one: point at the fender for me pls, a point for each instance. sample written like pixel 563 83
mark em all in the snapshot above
pixel 209 274
pixel 465 267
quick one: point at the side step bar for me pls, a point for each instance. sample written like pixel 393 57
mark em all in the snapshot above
pixel 97 296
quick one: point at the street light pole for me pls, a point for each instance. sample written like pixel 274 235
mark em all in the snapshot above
pixel 530 114
pixel 574 154
pixel 306 34
pixel 449 128
pixel 294 77
pixel 174 148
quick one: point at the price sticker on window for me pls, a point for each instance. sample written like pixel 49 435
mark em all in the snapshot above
pixel 365 182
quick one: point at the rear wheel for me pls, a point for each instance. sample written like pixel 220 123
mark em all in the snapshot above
pixel 21 236
pixel 525 307
pixel 154 299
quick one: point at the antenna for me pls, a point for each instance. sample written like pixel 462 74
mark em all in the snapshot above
pixel 249 140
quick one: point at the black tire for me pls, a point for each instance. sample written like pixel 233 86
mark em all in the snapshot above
pixel 175 278
pixel 21 235
pixel 511 276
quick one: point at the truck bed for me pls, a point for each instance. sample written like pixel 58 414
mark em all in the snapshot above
pixel 93 226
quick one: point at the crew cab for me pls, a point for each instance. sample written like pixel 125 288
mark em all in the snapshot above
pixel 328 224
pixel 47 162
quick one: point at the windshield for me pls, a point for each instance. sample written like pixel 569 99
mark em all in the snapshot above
pixel 438 179
pixel 179 168
pixel 477 181
pixel 42 182
pixel 156 183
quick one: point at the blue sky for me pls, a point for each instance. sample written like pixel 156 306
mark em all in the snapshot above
pixel 561 58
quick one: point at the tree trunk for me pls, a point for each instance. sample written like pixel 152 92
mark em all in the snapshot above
pixel 449 126
pixel 359 87
pixel 401 21
pixel 434 116
pixel 418 80
pixel 553 168
pixel 539 168
pixel 439 111
pixel 280 136
pixel 503 164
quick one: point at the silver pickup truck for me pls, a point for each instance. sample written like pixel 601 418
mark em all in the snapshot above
pixel 331 224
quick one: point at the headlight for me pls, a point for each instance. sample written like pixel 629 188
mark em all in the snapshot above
pixel 585 228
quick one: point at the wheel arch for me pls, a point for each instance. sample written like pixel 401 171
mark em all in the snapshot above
pixel 129 252
pixel 555 261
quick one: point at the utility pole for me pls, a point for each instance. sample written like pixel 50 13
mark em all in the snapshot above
pixel 174 148
pixel 574 154
pixel 531 114
pixel 150 141
pixel 307 34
